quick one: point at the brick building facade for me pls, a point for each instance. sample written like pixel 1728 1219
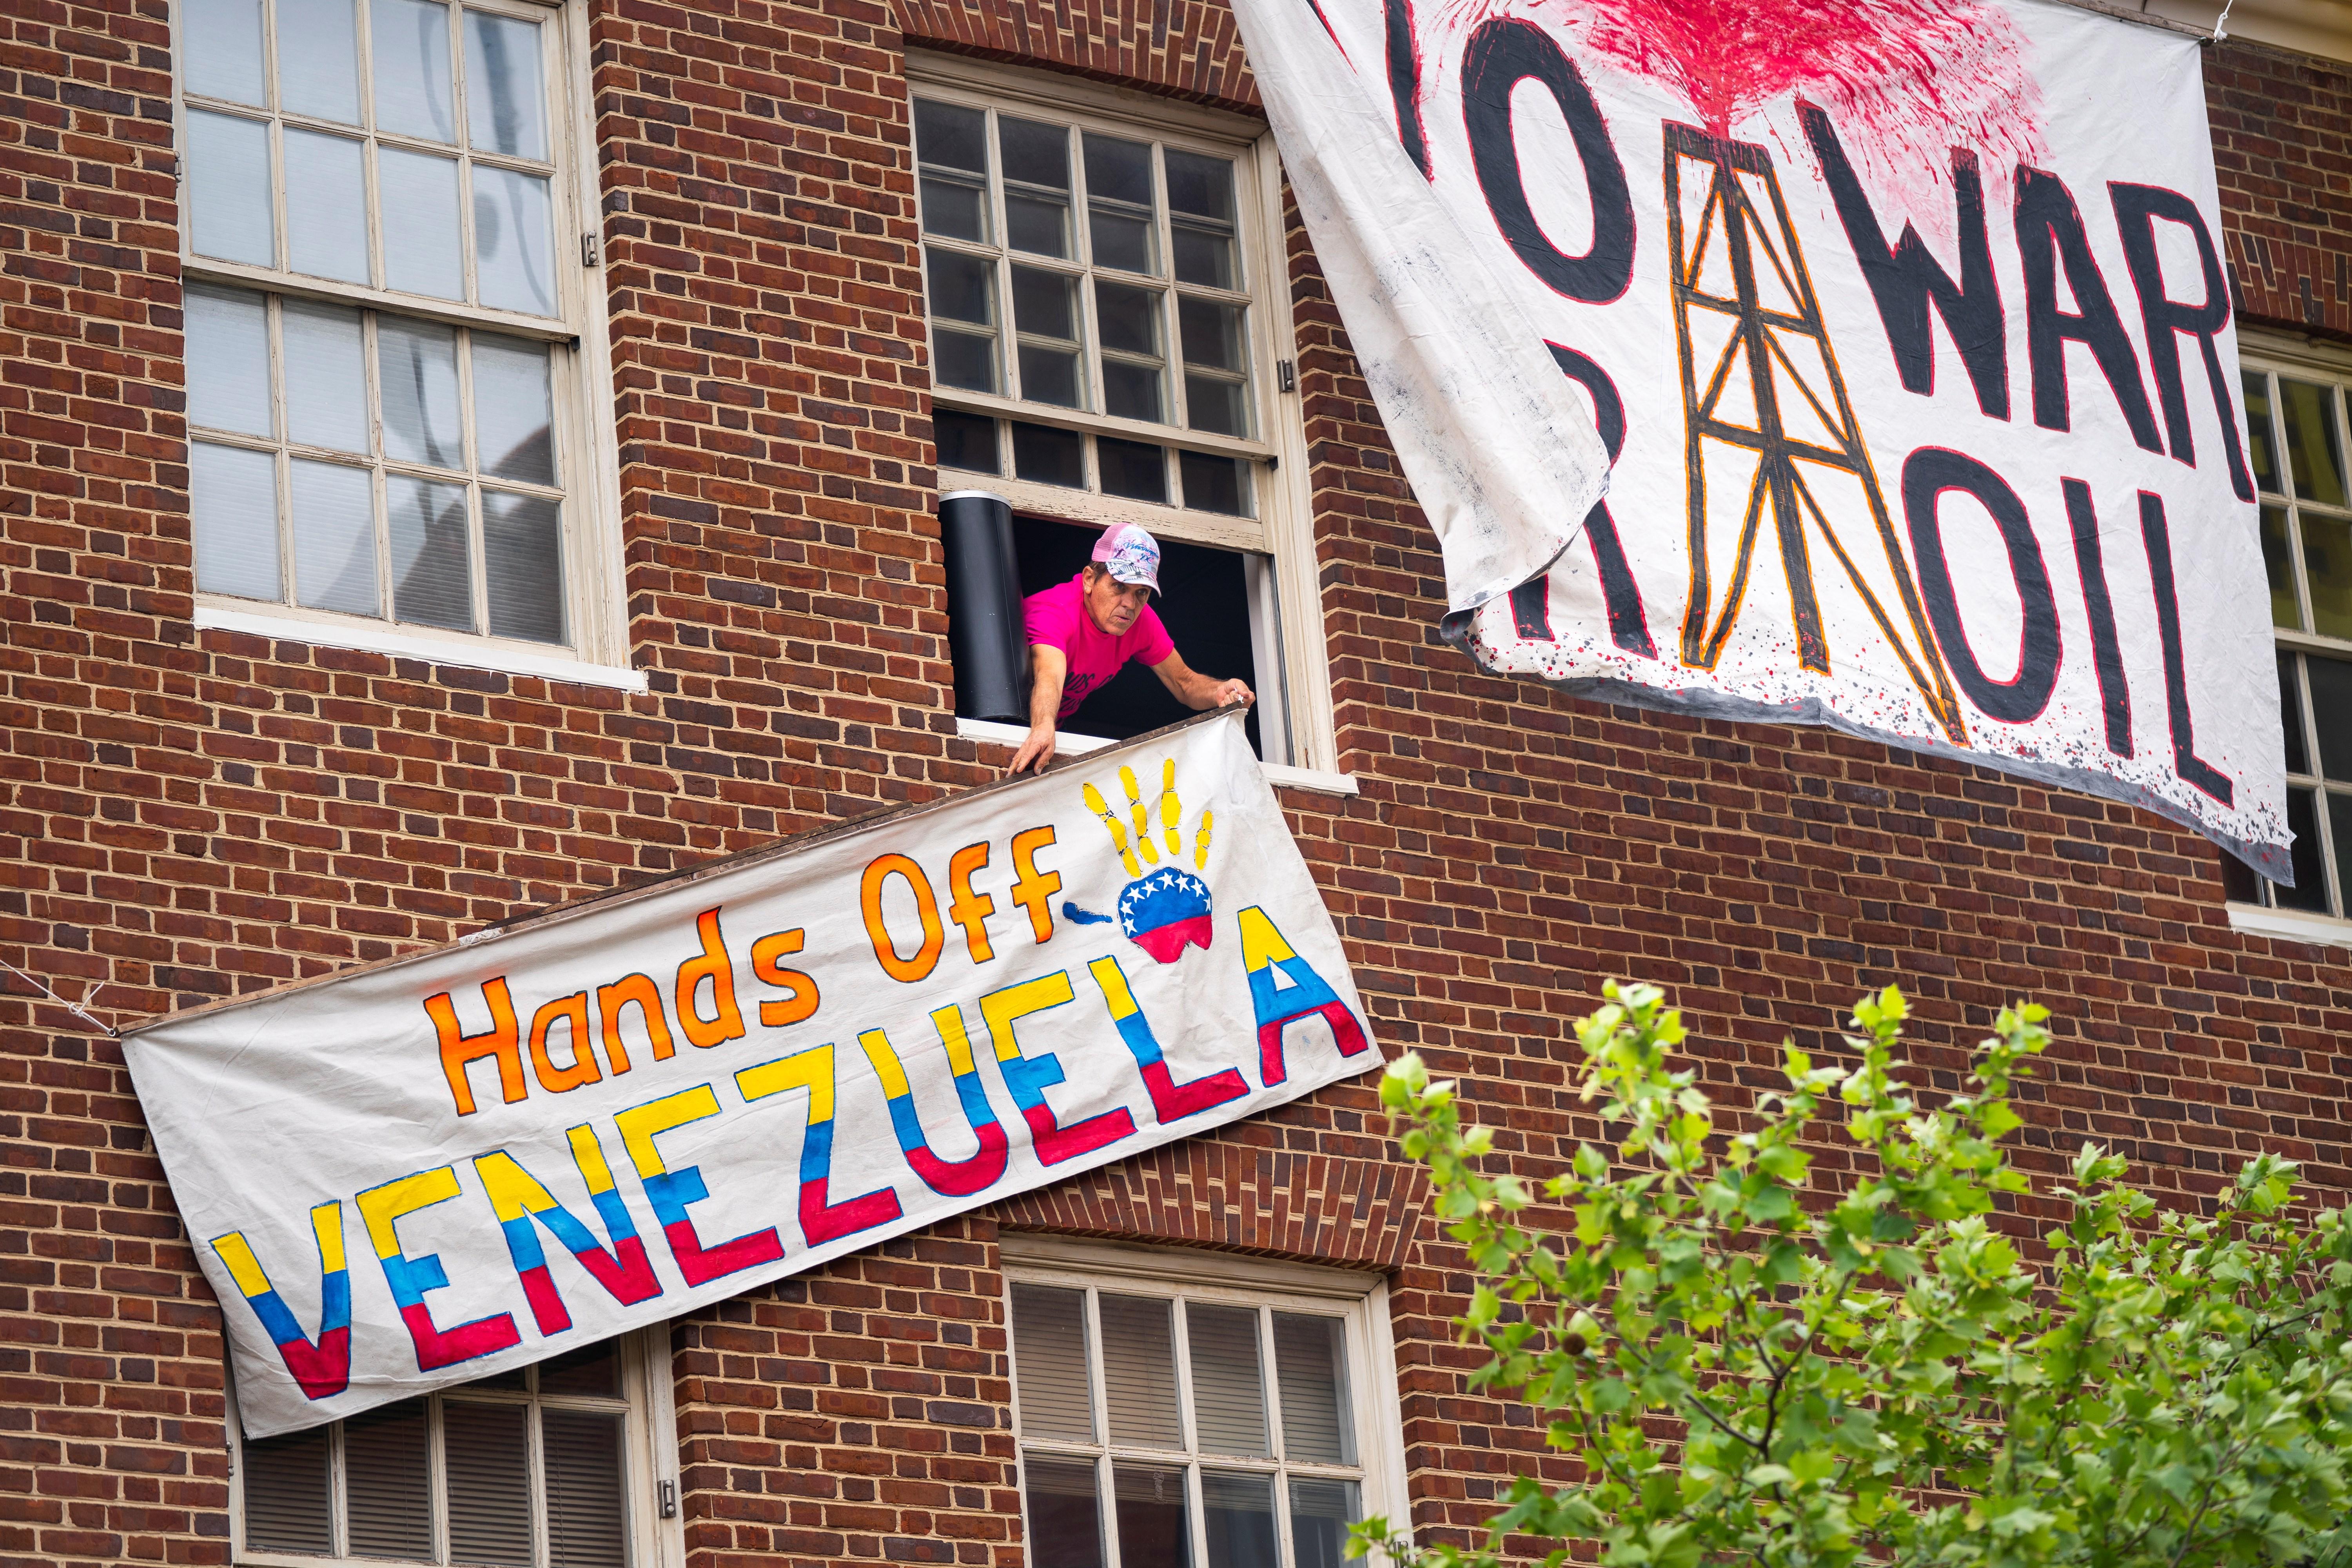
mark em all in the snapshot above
pixel 195 808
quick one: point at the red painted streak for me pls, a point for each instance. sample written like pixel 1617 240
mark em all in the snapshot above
pixel 1906 81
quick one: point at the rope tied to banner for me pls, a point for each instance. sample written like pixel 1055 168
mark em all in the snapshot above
pixel 74 1007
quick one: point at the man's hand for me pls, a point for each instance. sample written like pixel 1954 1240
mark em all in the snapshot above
pixel 1036 750
pixel 1197 691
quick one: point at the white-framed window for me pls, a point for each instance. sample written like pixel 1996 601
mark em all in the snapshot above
pixel 2298 444
pixel 1111 342
pixel 555 1466
pixel 1182 1409
pixel 394 344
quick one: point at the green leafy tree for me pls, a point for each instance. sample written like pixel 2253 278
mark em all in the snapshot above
pixel 1751 1365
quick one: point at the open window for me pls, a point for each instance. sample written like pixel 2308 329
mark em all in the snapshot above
pixel 1110 332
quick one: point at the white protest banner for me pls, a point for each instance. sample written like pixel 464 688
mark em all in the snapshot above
pixel 1904 322
pixel 444 1166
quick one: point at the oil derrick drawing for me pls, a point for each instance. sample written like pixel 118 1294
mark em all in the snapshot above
pixel 1768 432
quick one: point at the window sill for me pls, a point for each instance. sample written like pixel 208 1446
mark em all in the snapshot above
pixel 504 658
pixel 2291 925
pixel 1012 735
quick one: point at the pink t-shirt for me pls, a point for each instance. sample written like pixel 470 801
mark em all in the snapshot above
pixel 1057 618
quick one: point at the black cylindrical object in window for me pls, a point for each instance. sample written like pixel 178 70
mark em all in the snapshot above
pixel 984 627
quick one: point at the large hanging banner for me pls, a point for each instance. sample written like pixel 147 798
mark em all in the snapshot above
pixel 446 1166
pixel 1905 323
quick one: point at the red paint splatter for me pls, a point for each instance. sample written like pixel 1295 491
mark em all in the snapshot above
pixel 1905 80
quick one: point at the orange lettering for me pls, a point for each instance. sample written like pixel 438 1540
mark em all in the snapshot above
pixel 712 964
pixel 802 1000
pixel 641 990
pixel 969 909
pixel 869 897
pixel 460 1050
pixel 1033 889
pixel 571 1011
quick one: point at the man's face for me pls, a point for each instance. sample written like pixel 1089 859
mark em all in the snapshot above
pixel 1113 604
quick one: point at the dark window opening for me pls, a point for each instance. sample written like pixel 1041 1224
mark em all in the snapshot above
pixel 1203 601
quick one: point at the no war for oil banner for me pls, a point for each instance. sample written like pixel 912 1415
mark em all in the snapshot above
pixel 448 1164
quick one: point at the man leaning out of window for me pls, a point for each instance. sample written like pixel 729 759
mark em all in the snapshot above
pixel 1083 632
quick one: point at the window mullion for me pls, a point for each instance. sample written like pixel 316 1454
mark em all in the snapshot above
pixel 1172 343
pixel 379 500
pixel 2331 884
pixel 436 1460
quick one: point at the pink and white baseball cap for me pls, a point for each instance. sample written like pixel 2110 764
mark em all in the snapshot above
pixel 1130 555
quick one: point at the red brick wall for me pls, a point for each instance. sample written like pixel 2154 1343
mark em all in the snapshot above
pixel 2279 146
pixel 187 815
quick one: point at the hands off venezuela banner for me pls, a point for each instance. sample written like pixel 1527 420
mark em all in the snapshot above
pixel 1897 332
pixel 451 1164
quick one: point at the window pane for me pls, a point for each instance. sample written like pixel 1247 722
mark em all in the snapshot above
pixel 233 495
pixel 2278 565
pixel 1212 403
pixel 2262 449
pixel 1036 162
pixel 1310 1370
pixel 951 135
pixel 417 369
pixel 2331 713
pixel 966 441
pixel 514 249
pixel 1128 318
pixel 326 206
pixel 1213 334
pixel 2310 889
pixel 2327 568
pixel 1155 1529
pixel 228 189
pixel 962 287
pixel 1203 188
pixel 326 376
pixel 1048 456
pixel 286 1504
pixel 228 359
pixel 587 1517
pixel 319 59
pixel 412 70
pixel 1045 305
pixel 431 579
pixel 1049 1355
pixel 591 1371
pixel 1212 341
pixel 506 101
pixel 964 360
pixel 1140 1365
pixel 1135 470
pixel 1239 1512
pixel 387 1477
pixel 221 44
pixel 2311 447
pixel 334 539
pixel 1120 205
pixel 2291 716
pixel 512 416
pixel 522 561
pixel 1065 1525
pixel 1320 1513
pixel 420 250
pixel 1215 484
pixel 1228 1400
pixel 486 1454
pixel 2340 823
